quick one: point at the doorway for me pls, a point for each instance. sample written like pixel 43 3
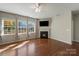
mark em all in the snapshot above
pixel 75 27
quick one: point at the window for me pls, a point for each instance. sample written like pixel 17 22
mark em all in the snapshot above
pixel 31 25
pixel 22 26
pixel 9 26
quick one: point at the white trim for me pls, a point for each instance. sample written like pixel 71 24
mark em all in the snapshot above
pixel 76 40
pixel 7 34
pixel 22 33
pixel 2 28
pixel 63 41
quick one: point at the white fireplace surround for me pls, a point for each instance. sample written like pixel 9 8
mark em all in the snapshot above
pixel 45 28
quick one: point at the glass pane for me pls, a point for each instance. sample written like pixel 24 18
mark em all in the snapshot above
pixel 31 28
pixel 22 26
pixel 9 26
pixel 31 25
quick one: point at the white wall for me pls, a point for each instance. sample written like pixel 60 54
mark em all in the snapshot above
pixel 61 26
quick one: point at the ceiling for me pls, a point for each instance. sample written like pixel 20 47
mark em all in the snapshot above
pixel 48 9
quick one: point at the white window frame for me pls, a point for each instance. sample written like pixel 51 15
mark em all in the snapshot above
pixel 18 29
pixel 2 29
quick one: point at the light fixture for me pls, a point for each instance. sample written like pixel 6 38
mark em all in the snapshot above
pixel 37 7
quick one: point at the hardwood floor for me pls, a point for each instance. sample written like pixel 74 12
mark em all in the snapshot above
pixel 40 47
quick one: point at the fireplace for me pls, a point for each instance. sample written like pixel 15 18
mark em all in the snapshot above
pixel 43 34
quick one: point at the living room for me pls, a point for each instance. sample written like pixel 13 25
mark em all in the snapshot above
pixel 38 29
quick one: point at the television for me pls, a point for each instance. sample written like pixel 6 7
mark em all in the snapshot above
pixel 44 23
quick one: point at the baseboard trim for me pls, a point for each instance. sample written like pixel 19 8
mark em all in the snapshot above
pixel 62 41
pixel 76 40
